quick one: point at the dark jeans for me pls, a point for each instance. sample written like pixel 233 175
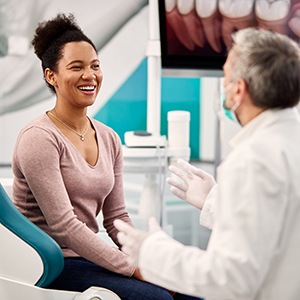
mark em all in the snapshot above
pixel 79 274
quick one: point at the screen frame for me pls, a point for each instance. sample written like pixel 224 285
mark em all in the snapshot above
pixel 177 60
pixel 185 65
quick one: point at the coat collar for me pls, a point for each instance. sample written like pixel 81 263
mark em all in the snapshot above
pixel 263 120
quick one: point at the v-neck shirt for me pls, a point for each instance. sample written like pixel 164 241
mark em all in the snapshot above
pixel 59 191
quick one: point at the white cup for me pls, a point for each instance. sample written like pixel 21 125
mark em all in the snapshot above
pixel 179 129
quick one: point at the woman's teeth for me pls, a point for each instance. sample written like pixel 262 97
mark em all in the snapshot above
pixel 87 88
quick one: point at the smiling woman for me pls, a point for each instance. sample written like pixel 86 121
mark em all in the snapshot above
pixel 78 77
pixel 68 168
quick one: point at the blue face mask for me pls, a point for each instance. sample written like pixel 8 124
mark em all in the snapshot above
pixel 229 113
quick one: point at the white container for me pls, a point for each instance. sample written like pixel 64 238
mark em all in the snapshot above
pixel 179 129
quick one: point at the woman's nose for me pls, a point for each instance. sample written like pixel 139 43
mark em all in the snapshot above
pixel 88 74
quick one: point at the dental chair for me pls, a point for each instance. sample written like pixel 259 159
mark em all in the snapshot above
pixel 30 260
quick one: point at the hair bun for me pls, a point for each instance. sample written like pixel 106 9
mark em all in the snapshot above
pixel 49 31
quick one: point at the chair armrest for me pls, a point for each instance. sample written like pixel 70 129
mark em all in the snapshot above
pixel 97 293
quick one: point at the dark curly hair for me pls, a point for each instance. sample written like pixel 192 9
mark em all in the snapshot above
pixel 52 35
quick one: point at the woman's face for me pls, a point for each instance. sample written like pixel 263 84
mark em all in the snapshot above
pixel 79 76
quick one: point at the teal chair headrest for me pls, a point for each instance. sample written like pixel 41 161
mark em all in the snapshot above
pixel 49 251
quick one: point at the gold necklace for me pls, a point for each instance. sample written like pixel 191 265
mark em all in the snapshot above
pixel 81 135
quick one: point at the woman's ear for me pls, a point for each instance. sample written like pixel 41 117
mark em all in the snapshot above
pixel 50 76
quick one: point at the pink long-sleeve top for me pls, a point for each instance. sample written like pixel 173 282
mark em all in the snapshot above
pixel 60 192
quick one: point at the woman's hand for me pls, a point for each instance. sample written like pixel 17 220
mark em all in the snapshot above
pixel 137 275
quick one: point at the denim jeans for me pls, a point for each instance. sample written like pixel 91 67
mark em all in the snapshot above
pixel 79 274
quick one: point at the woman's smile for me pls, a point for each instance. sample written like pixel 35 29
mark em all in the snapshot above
pixel 87 89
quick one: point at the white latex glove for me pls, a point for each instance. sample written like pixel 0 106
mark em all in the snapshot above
pixel 190 183
pixel 132 239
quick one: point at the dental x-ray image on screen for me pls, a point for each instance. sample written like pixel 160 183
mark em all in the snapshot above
pixel 196 34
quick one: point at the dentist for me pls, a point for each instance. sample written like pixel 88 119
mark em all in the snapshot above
pixel 254 247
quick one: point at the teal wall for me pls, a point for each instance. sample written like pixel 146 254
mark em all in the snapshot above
pixel 127 108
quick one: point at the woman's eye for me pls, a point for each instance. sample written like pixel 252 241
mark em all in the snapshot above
pixel 76 67
pixel 96 67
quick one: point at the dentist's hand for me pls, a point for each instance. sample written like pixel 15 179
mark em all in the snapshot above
pixel 190 183
pixel 132 239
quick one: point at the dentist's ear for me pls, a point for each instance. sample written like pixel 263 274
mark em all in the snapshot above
pixel 241 89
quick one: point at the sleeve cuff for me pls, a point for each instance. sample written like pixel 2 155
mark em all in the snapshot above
pixel 207 215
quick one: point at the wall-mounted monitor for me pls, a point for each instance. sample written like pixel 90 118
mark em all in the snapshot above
pixel 195 34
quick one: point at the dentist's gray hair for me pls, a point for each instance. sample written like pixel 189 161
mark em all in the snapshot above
pixel 270 64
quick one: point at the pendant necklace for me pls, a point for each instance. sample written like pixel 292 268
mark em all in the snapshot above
pixel 81 135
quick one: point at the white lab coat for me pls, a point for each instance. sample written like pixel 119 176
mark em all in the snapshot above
pixel 254 249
